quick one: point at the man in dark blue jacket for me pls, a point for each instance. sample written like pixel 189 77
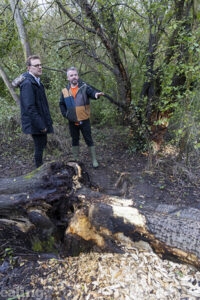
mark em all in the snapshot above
pixel 35 115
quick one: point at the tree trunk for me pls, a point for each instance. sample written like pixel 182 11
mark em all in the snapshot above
pixel 21 29
pixel 9 85
pixel 55 209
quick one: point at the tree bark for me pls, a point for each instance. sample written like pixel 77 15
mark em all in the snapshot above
pixel 25 45
pixel 56 209
pixel 21 29
pixel 173 232
pixel 9 85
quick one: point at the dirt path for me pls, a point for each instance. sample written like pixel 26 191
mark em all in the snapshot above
pixel 120 172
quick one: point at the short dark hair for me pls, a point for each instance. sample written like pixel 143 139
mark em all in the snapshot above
pixel 72 69
pixel 31 57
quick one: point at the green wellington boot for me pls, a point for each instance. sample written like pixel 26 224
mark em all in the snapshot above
pixel 75 152
pixel 93 154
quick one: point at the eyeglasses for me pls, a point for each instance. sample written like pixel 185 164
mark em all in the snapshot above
pixel 36 66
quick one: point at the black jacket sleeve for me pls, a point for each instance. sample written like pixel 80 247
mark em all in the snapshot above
pixel 62 105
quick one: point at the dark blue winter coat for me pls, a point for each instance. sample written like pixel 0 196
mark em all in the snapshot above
pixel 35 114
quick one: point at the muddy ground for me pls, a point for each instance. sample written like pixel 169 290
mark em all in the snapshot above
pixel 139 176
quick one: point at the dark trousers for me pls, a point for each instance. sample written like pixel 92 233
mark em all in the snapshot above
pixel 85 129
pixel 40 142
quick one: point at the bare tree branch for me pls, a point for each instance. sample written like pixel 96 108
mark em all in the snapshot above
pixel 75 20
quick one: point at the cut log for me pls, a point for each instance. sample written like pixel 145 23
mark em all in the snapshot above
pixel 173 232
pixel 56 209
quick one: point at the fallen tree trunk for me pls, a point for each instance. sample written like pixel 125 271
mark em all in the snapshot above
pixel 32 207
pixel 55 207
pixel 172 232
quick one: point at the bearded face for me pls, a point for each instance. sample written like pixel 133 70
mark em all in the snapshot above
pixel 72 76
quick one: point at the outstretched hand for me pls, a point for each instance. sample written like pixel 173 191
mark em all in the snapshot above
pixel 97 95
